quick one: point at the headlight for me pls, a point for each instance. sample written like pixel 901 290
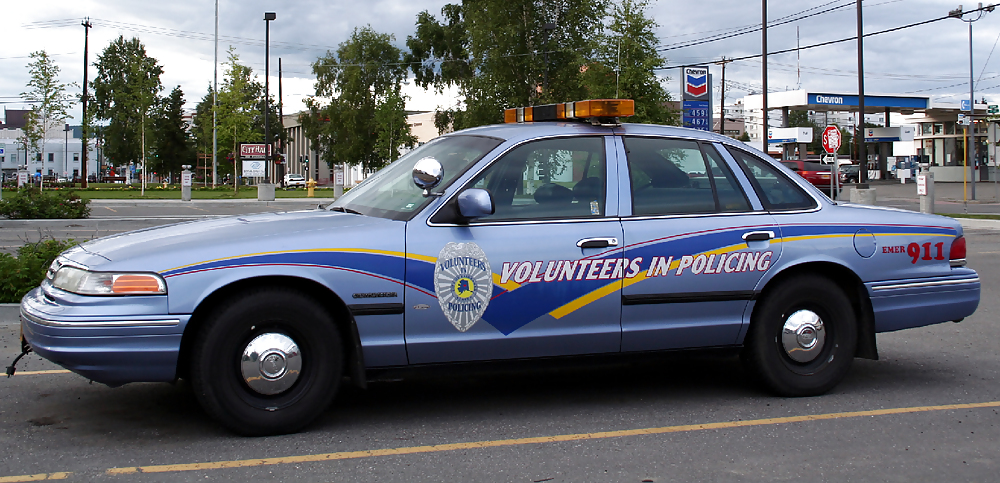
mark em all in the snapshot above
pixel 83 282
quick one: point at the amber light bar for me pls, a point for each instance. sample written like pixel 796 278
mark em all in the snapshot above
pixel 579 110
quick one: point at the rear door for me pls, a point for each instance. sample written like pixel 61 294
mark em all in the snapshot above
pixel 696 246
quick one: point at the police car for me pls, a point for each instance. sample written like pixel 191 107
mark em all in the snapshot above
pixel 561 232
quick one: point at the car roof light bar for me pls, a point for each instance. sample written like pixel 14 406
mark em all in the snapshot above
pixel 596 111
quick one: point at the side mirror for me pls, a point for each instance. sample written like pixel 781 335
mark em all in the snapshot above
pixel 427 173
pixel 475 203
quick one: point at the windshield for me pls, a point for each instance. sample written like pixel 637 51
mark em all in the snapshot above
pixel 390 193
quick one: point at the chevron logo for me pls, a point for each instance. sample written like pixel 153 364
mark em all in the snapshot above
pixel 696 85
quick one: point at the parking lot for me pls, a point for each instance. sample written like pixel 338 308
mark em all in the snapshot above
pixel 928 410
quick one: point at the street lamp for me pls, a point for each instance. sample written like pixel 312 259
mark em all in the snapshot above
pixel 547 28
pixel 959 14
pixel 268 17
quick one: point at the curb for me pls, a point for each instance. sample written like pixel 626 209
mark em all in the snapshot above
pixel 974 224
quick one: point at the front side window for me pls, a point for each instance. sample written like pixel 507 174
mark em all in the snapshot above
pixel 672 176
pixel 776 192
pixel 390 193
pixel 548 179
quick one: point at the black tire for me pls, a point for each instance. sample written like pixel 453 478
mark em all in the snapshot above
pixel 216 367
pixel 765 353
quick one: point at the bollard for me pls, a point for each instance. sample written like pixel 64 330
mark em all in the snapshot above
pixel 862 194
pixel 186 183
pixel 925 190
pixel 310 188
pixel 265 192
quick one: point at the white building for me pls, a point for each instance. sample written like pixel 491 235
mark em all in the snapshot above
pixel 57 155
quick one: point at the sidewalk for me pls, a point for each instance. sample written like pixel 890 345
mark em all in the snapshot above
pixel 226 201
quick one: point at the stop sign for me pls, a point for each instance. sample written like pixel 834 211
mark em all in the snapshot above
pixel 831 139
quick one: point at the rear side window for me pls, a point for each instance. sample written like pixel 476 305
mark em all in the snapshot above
pixel 672 176
pixel 775 191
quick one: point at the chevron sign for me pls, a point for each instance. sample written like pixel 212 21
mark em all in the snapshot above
pixel 695 82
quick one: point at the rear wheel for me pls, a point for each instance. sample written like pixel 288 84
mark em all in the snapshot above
pixel 802 337
pixel 267 362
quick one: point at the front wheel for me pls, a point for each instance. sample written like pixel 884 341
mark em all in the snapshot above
pixel 267 362
pixel 802 337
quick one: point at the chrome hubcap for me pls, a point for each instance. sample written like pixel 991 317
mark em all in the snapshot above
pixel 271 363
pixel 803 336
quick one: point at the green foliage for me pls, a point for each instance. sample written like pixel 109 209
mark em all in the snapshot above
pixel 171 144
pixel 20 274
pixel 498 54
pixel 625 65
pixel 365 120
pixel 125 90
pixel 50 99
pixel 744 137
pixel 32 203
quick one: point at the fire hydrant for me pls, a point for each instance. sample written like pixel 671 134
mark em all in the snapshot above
pixel 310 188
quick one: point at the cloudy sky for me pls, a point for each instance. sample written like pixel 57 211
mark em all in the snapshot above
pixel 928 60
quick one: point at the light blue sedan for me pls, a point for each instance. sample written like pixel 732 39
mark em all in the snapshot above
pixel 522 240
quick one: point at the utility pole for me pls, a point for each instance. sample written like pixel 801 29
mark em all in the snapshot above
pixel 84 139
pixel 722 97
pixel 281 117
pixel 215 100
pixel 859 132
pixel 763 61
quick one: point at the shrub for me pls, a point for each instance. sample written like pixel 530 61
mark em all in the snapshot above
pixel 32 203
pixel 20 274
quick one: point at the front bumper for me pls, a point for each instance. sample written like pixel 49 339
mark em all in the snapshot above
pixel 904 304
pixel 125 345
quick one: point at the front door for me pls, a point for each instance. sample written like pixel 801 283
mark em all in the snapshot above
pixel 698 246
pixel 538 278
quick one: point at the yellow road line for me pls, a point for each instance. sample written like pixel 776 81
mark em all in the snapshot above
pixel 213 465
pixel 36 373
pixel 38 477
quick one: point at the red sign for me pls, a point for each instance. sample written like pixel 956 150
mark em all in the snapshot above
pixel 831 139
pixel 254 150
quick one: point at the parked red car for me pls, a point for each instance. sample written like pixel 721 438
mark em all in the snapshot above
pixel 816 173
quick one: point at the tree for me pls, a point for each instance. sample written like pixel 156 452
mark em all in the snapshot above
pixel 365 121
pixel 499 54
pixel 172 143
pixel 202 129
pixel 125 89
pixel 626 62
pixel 50 101
pixel 239 115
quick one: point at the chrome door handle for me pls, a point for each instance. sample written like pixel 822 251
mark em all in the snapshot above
pixel 598 242
pixel 753 236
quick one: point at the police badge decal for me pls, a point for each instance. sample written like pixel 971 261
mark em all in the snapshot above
pixel 463 282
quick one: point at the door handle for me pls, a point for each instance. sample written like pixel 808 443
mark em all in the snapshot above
pixel 598 242
pixel 754 236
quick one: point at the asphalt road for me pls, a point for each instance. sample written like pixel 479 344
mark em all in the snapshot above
pixel 680 417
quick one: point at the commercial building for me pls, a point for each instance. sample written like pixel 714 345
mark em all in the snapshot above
pixel 936 138
pixel 302 158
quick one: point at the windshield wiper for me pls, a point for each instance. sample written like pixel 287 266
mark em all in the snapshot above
pixel 346 210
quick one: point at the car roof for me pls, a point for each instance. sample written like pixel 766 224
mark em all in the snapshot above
pixel 531 130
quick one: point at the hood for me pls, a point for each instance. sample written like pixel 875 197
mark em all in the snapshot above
pixel 163 247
